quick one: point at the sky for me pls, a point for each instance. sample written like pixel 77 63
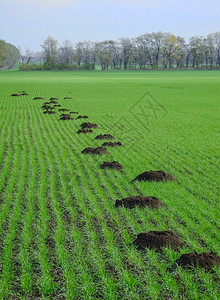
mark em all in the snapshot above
pixel 27 23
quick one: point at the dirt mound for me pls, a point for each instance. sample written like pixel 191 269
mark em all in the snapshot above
pixel 104 137
pixel 112 144
pixel 111 165
pixel 74 112
pixel 54 98
pixel 141 201
pixel 89 125
pixel 203 260
pixel 66 117
pixel 84 131
pixel 154 176
pixel 82 117
pixel 64 109
pixel 24 94
pixel 15 95
pixel 49 112
pixel 158 240
pixel 45 106
pixel 98 150
pixel 38 98
pixel 67 98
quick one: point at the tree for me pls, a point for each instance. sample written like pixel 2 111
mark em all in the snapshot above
pixel 142 50
pixel 9 55
pixel 26 56
pixel 216 43
pixel 127 51
pixel 105 54
pixel 65 53
pixel 172 51
pixel 196 44
pixel 50 46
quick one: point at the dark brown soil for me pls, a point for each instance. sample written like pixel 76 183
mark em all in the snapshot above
pixel 84 131
pixel 54 98
pixel 82 117
pixel 203 260
pixel 66 117
pixel 74 112
pixel 98 150
pixel 63 109
pixel 158 240
pixel 49 112
pixel 141 201
pixel 112 144
pixel 154 176
pixel 57 105
pixel 111 165
pixel 24 94
pixel 89 125
pixel 15 95
pixel 47 107
pixel 38 98
pixel 46 103
pixel 67 98
pixel 104 137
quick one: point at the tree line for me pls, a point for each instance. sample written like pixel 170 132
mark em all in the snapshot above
pixel 9 55
pixel 157 50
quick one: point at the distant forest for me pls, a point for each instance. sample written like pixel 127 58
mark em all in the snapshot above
pixel 150 51
pixel 9 55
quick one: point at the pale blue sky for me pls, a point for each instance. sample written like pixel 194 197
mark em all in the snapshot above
pixel 28 22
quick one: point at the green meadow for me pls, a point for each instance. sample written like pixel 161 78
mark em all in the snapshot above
pixel 61 236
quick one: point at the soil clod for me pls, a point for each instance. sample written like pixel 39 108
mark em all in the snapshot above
pixel 112 144
pixel 82 117
pixel 112 165
pixel 104 137
pixel 54 98
pixel 24 94
pixel 89 125
pixel 39 98
pixel 63 109
pixel 84 131
pixel 74 112
pixel 45 106
pixel 154 176
pixel 65 117
pixel 98 150
pixel 15 95
pixel 50 112
pixel 158 240
pixel 203 260
pixel 140 201
pixel 67 98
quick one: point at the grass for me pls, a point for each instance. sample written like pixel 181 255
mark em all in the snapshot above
pixel 60 235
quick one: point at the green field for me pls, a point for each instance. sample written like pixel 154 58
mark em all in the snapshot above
pixel 61 236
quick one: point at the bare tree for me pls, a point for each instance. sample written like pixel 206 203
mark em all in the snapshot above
pixel 65 53
pixel 25 56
